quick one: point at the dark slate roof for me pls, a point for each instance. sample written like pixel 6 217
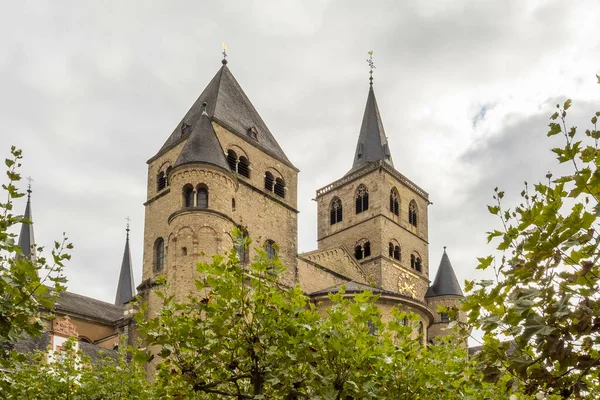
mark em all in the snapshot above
pixel 228 105
pixel 203 146
pixel 351 287
pixel 82 306
pixel 31 344
pixel 26 239
pixel 125 288
pixel 445 282
pixel 42 343
pixel 372 143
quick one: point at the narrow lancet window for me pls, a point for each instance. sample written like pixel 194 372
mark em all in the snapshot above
pixel 202 196
pixel 412 213
pixel 159 254
pixel 335 211
pixel 394 202
pixel 188 196
pixel 362 199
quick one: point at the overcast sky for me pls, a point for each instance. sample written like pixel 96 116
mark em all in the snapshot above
pixel 91 90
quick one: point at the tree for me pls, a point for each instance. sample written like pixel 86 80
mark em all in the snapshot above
pixel 26 284
pixel 242 335
pixel 541 315
pixel 73 375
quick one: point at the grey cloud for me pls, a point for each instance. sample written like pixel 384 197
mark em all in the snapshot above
pixel 91 91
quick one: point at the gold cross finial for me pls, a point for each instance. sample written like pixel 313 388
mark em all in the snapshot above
pixel 224 53
pixel 371 67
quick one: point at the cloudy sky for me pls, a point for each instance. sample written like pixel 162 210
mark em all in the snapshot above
pixel 90 91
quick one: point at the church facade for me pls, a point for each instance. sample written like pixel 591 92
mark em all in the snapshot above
pixel 222 168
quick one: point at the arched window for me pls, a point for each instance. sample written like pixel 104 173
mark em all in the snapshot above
pixel 394 251
pixel 413 260
pixel 412 213
pixel 161 181
pixel 232 204
pixel 188 196
pixel 202 196
pixel 397 253
pixel 335 211
pixel 232 160
pixel 169 168
pixel 362 250
pixel 421 330
pixel 362 199
pixel 159 254
pixel 184 251
pixel 418 266
pixel 279 188
pixel 367 249
pixel 243 167
pixel 394 202
pixel 270 248
pixel 358 252
pixel 269 181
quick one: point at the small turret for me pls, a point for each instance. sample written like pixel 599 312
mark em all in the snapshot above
pixel 125 288
pixel 445 282
pixel 445 292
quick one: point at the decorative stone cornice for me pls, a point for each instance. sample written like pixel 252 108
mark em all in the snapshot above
pixel 64 327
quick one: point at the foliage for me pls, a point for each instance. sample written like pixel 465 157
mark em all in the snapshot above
pixel 541 316
pixel 75 376
pixel 242 335
pixel 26 285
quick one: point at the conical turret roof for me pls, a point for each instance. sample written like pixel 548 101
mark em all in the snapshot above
pixel 372 143
pixel 125 288
pixel 228 105
pixel 26 239
pixel 445 282
pixel 202 146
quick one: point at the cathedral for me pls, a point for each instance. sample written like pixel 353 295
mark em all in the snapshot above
pixel 222 168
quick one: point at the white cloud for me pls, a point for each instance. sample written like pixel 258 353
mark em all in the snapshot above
pixel 91 92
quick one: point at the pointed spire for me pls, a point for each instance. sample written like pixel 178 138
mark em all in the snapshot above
pixel 372 143
pixel 228 106
pixel 125 288
pixel 26 239
pixel 445 282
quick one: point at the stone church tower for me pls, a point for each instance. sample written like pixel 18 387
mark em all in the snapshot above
pixel 221 168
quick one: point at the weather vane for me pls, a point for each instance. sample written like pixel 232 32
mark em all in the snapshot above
pixel 127 229
pixel 224 53
pixel 371 66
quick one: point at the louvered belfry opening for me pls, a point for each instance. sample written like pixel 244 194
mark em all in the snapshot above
pixel 243 167
pixel 269 181
pixel 232 160
pixel 161 181
pixel 279 188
